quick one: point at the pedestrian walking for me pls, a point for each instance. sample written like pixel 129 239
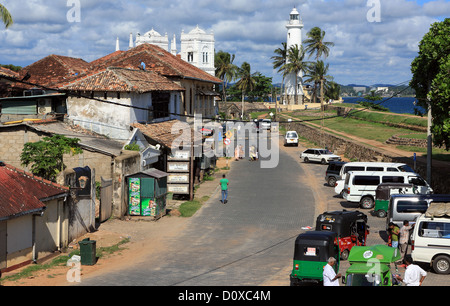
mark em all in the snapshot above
pixel 414 275
pixel 395 232
pixel 330 278
pixel 404 238
pixel 224 186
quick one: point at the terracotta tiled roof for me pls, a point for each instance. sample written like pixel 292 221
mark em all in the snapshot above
pixel 122 80
pixel 7 72
pixel 162 133
pixel 21 193
pixel 53 69
pixel 155 59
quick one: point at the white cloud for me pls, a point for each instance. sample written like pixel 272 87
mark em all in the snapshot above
pixel 364 52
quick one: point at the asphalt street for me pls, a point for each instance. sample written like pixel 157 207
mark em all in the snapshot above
pixel 244 242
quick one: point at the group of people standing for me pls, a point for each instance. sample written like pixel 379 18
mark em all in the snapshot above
pixel 239 153
pixel 399 238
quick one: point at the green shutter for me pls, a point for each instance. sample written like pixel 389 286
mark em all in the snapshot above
pixel 24 107
pixel 147 188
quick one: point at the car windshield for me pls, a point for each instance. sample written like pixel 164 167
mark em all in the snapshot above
pixel 363 280
pixel 406 168
pixel 291 135
pixel 325 152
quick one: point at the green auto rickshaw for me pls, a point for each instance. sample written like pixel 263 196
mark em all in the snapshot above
pixel 311 254
pixel 371 266
pixel 383 195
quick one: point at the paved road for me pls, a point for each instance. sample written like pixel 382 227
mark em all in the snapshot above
pixel 244 242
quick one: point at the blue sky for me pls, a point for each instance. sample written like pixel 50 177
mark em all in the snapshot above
pixel 364 53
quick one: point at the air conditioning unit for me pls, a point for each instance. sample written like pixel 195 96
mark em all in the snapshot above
pixel 44 106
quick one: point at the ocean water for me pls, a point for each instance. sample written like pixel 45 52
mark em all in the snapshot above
pixel 403 105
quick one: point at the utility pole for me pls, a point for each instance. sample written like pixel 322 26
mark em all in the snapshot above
pixel 429 144
pixel 429 138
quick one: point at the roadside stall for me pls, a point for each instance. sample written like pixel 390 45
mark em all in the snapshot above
pixel 147 192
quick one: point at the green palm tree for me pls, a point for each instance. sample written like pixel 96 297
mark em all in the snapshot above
pixel 316 44
pixel 294 64
pixel 6 16
pixel 333 91
pixel 279 59
pixel 225 69
pixel 317 73
pixel 246 82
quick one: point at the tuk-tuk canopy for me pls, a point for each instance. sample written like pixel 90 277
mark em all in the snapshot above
pixel 359 268
pixel 383 191
pixel 340 222
pixel 315 246
pixel 381 253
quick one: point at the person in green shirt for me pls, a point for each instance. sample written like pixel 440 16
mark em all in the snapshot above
pixel 395 232
pixel 224 186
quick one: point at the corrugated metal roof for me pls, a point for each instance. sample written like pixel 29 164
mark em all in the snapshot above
pixel 21 192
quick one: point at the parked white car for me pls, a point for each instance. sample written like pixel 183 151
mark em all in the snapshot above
pixel 291 138
pixel 265 124
pixel 320 155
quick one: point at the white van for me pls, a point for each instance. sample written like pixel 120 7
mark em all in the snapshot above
pixel 368 166
pixel 360 186
pixel 430 241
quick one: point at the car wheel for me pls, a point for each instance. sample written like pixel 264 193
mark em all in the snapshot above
pixel 332 181
pixel 441 264
pixel 324 161
pixel 367 203
pixel 306 160
pixel 381 213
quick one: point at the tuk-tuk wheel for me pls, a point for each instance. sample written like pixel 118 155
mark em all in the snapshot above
pixel 344 254
pixel 381 213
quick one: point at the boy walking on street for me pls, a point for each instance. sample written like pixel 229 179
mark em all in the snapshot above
pixel 224 186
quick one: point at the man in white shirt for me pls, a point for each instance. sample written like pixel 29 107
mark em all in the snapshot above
pixel 414 275
pixel 330 278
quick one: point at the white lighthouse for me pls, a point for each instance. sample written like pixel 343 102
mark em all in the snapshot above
pixel 294 37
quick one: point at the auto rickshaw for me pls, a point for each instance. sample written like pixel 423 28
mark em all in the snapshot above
pixel 311 254
pixel 350 226
pixel 383 195
pixel 372 266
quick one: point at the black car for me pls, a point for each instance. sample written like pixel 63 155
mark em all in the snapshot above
pixel 332 173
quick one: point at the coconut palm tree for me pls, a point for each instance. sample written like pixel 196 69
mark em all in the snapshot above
pixel 279 59
pixel 246 82
pixel 6 16
pixel 316 44
pixel 333 91
pixel 317 73
pixel 225 69
pixel 295 64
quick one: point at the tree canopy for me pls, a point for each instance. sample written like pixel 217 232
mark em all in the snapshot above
pixel 46 156
pixel 431 79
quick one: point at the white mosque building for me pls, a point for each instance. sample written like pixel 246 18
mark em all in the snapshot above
pixel 294 37
pixel 197 46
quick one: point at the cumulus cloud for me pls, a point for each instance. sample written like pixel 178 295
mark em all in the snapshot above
pixel 364 52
